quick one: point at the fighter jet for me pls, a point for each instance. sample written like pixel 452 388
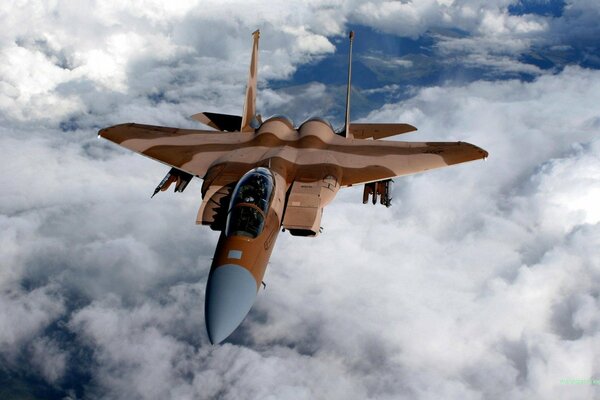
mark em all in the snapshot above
pixel 264 177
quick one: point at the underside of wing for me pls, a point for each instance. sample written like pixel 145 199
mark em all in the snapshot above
pixel 379 160
pixel 189 150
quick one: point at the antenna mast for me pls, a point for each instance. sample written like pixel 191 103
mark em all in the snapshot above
pixel 347 121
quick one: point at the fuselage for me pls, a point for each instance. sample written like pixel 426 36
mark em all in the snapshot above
pixel 245 245
pixel 255 216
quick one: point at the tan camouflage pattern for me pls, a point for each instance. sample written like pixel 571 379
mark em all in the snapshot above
pixel 378 131
pixel 308 153
pixel 249 114
pixel 255 251
pixel 311 153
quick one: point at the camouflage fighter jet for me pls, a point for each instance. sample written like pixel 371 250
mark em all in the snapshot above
pixel 263 177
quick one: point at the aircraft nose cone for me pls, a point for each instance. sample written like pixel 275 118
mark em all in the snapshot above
pixel 230 293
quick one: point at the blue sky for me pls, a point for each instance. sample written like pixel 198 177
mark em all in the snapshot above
pixel 375 52
pixel 479 282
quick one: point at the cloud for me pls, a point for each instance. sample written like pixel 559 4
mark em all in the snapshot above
pixel 24 314
pixel 49 359
pixel 486 18
pixel 480 281
pixel 196 50
pixel 476 280
pixel 491 33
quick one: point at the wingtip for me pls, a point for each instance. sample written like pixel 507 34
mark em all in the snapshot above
pixel 484 153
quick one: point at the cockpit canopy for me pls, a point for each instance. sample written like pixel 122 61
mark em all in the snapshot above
pixel 250 203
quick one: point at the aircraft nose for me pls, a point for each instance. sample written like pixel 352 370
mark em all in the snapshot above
pixel 230 293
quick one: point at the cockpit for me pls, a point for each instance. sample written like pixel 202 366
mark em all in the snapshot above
pixel 250 203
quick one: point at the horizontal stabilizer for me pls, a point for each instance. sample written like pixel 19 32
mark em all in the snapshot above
pixel 378 131
pixel 222 122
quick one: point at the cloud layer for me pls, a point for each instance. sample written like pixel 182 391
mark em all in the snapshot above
pixel 480 282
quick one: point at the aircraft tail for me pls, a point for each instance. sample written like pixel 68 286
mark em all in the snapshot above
pixel 249 118
pixel 367 130
pixel 347 131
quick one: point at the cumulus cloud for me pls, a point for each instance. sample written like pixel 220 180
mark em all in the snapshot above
pixel 498 34
pixel 113 47
pixel 25 313
pixel 481 18
pixel 484 272
pixel 480 282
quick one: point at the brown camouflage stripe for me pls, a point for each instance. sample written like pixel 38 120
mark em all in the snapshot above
pixel 359 160
pixel 226 173
pixel 157 140
pixel 265 140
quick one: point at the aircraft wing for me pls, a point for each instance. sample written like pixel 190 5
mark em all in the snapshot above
pixel 227 156
pixel 368 161
pixel 189 150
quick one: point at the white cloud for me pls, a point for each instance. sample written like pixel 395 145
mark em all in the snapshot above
pixel 413 18
pixel 25 313
pixel 470 284
pixel 578 194
pixel 480 282
pixel 49 359
pixel 114 46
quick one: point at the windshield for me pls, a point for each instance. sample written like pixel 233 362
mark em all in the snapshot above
pixel 250 203
pixel 245 221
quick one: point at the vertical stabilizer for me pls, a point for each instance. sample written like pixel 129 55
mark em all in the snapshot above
pixel 347 132
pixel 249 120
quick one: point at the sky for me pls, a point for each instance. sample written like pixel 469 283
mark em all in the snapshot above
pixel 480 282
